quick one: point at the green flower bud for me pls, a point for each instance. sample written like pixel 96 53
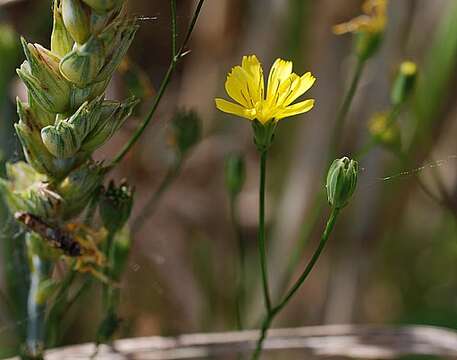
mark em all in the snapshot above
pixel 61 40
pixel 186 131
pixel 235 174
pixel 367 44
pixel 113 116
pixel 264 134
pixel 115 206
pixel 103 5
pixel 64 139
pixel 76 20
pixel 404 83
pixel 341 181
pixel 78 187
pixel 41 75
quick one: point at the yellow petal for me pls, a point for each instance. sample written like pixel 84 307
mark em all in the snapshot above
pixel 299 87
pixel 234 109
pixel 298 108
pixel 237 86
pixel 280 72
pixel 251 65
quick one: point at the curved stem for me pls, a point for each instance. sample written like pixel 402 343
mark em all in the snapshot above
pixel 261 232
pixel 277 309
pixel 344 110
pixel 176 57
pixel 324 238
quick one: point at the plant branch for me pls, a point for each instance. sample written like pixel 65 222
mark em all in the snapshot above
pixel 176 57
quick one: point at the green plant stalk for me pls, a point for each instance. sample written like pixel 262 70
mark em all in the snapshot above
pixel 344 109
pixel 293 290
pixel 305 234
pixel 261 232
pixel 36 331
pixel 176 57
pixel 241 266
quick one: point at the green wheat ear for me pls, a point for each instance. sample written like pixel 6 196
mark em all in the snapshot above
pixel 67 116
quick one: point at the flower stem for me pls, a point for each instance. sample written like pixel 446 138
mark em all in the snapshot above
pixel 176 57
pixel 36 307
pixel 344 110
pixel 325 235
pixel 261 232
pixel 272 313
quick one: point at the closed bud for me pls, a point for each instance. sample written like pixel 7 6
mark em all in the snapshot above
pixel 115 206
pixel 385 131
pixel 64 139
pixel 112 116
pixel 186 131
pixel 235 174
pixel 264 134
pixel 78 187
pixel 76 20
pixel 404 83
pixel 42 77
pixel 103 5
pixel 61 40
pixel 341 181
pixel 367 44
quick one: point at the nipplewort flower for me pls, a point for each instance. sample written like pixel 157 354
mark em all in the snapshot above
pixel 373 20
pixel 245 84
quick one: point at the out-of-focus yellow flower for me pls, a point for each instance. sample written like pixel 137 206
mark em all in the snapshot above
pixel 385 131
pixel 373 20
pixel 245 84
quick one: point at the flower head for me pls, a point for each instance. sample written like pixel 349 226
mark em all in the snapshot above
pixel 245 84
pixel 372 21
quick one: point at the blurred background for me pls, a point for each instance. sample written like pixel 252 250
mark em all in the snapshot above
pixel 393 256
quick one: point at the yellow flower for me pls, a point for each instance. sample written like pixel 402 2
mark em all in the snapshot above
pixel 372 21
pixel 245 85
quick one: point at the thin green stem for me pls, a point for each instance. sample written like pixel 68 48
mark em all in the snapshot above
pixel 324 238
pixel 241 273
pixel 306 231
pixel 174 26
pixel 261 232
pixel 151 205
pixel 290 294
pixel 344 110
pixel 176 57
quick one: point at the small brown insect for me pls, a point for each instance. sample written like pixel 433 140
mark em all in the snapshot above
pixel 57 237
